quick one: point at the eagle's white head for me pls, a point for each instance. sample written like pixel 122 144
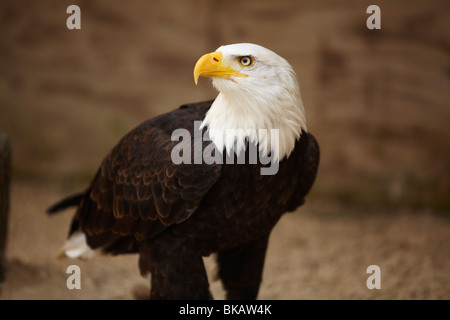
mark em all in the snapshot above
pixel 258 92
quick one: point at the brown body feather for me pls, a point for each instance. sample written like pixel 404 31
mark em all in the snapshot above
pixel 172 215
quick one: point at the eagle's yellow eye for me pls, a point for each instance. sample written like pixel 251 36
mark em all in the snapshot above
pixel 246 61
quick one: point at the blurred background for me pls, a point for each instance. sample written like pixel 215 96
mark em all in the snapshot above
pixel 378 102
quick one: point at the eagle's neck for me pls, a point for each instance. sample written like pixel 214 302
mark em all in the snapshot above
pixel 274 122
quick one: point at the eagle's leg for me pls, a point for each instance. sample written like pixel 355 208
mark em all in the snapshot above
pixel 177 272
pixel 240 269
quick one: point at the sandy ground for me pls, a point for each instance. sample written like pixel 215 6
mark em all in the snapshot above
pixel 319 252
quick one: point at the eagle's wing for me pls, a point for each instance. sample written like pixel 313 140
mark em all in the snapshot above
pixel 308 154
pixel 138 190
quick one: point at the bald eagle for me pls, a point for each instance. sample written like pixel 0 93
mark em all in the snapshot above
pixel 153 197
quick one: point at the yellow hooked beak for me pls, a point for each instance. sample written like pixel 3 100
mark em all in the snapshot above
pixel 211 65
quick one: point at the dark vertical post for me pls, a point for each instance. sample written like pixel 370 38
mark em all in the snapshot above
pixel 5 176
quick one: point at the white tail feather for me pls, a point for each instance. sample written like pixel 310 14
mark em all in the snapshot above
pixel 76 247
